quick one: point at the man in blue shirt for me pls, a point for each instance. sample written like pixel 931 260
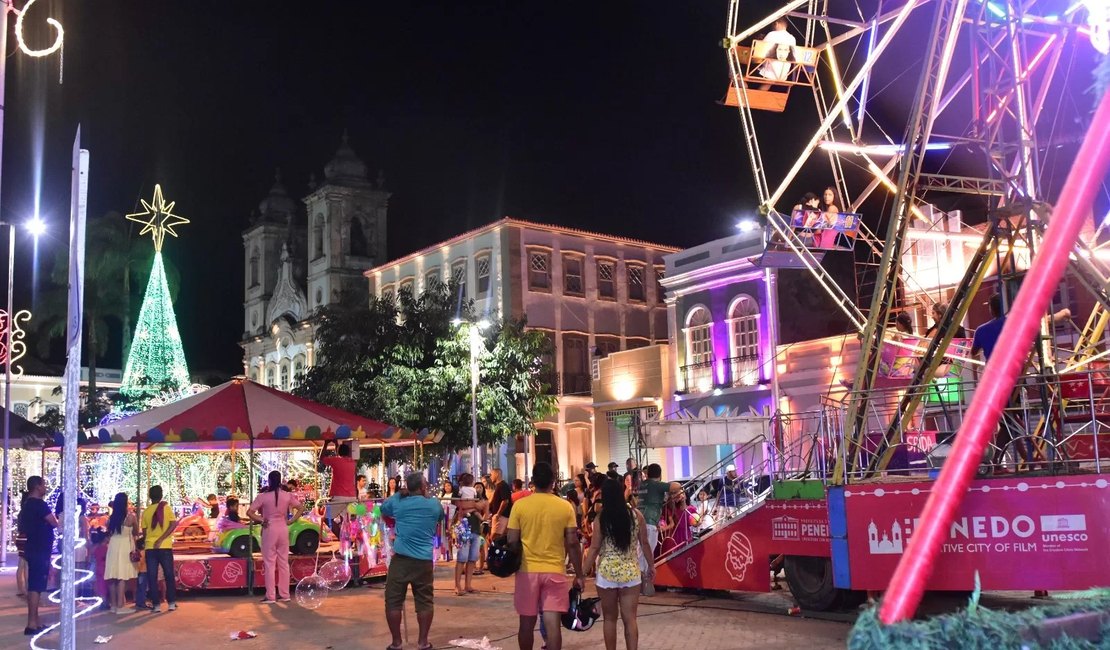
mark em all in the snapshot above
pixel 37 525
pixel 987 335
pixel 417 516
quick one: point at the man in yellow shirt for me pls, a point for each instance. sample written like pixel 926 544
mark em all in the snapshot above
pixel 543 527
pixel 158 522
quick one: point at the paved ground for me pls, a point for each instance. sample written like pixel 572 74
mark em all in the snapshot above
pixel 353 619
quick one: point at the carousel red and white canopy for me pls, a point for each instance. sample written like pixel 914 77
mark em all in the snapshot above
pixel 244 410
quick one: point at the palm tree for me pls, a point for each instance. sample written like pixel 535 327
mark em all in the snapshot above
pixel 110 255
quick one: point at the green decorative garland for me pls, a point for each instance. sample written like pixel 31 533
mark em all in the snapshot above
pixel 978 628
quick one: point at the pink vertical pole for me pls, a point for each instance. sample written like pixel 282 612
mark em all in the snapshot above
pixel 1006 362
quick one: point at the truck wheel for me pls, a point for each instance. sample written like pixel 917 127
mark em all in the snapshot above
pixel 811 583
pixel 307 543
pixel 243 546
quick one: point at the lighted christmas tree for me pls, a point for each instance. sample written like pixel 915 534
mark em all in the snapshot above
pixel 156 362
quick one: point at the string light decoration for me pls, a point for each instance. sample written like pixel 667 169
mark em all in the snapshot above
pixel 156 362
pixel 184 476
pixel 58 39
pixel 158 218
pixel 92 603
pixel 19 346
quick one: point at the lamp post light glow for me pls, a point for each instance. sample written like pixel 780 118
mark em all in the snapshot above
pixel 746 225
pixel 474 334
pixel 36 227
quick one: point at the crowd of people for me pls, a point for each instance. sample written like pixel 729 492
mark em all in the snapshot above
pixel 132 546
pixel 608 525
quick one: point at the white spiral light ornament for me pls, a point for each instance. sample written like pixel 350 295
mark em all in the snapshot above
pixel 81 575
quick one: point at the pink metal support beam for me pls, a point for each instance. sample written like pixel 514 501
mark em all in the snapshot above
pixel 1090 168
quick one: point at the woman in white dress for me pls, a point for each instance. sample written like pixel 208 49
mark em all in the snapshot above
pixel 118 566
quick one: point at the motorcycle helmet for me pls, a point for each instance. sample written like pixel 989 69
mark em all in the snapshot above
pixel 582 613
pixel 502 560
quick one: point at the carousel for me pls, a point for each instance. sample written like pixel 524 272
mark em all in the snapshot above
pixel 222 443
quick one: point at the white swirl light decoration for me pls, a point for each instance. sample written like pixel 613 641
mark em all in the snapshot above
pixel 81 575
pixel 19 33
pixel 19 346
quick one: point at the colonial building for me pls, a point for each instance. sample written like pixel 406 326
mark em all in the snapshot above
pixel 299 256
pixel 694 400
pixel 591 294
pixel 40 389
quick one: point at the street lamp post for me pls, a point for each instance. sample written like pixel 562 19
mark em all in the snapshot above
pixel 36 228
pixel 474 334
pixel 475 341
pixel 4 528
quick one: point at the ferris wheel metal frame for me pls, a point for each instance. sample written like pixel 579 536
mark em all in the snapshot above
pixel 998 91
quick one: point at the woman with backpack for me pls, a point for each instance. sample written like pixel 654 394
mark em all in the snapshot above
pixel 619 539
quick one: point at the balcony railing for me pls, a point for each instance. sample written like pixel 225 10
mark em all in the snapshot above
pixel 743 371
pixel 576 384
pixel 698 377
pixel 567 383
pixel 737 371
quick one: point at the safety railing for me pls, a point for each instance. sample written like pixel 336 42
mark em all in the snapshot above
pixel 717 496
pixel 801 445
pixel 1056 424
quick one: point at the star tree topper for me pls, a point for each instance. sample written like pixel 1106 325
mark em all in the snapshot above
pixel 158 218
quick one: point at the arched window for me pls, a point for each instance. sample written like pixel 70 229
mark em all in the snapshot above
pixel 298 369
pixel 285 375
pixel 698 371
pixel 318 237
pixel 271 379
pixel 743 323
pixel 358 246
pixel 253 270
pixel 254 375
pixel 432 281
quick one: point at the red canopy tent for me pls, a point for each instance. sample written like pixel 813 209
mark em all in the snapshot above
pixel 244 410
pixel 244 416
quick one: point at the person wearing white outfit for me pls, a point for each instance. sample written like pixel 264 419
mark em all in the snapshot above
pixel 777 65
pixel 118 565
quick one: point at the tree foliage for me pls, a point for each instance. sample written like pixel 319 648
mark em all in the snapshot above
pixel 407 364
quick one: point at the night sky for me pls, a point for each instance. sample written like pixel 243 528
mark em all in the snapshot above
pixel 598 115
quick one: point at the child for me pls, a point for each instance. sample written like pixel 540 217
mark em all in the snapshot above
pixel 231 518
pixel 140 581
pixel 98 537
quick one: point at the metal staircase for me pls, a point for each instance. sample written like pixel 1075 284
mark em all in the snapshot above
pixel 748 492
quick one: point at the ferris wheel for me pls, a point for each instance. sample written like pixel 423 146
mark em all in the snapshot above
pixel 915 102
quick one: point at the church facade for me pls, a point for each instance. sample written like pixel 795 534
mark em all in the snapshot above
pixel 299 256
